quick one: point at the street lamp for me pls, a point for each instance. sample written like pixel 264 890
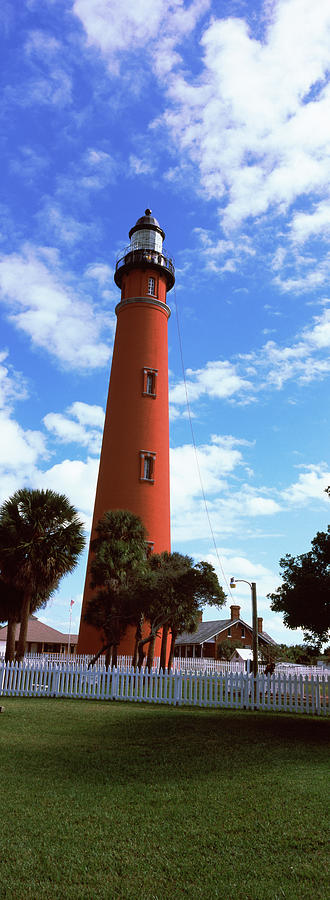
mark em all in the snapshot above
pixel 253 586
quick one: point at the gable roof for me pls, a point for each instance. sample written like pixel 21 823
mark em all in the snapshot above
pixel 243 652
pixel 39 633
pixel 207 631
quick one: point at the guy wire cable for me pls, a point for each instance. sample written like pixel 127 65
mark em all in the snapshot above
pixel 195 447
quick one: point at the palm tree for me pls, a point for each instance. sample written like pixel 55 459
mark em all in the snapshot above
pixel 41 538
pixel 119 558
pixel 10 608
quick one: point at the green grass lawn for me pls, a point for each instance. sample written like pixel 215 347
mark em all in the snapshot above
pixel 112 800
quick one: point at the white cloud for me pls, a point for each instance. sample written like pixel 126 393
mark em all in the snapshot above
pixel 101 272
pixel 77 480
pixel 300 361
pixel 270 367
pixel 45 306
pixel 319 335
pixel 62 227
pixel 217 379
pixel 304 281
pixel 214 462
pixel 87 413
pixel 28 164
pixel 12 384
pixel 260 140
pixel 306 225
pixel 222 255
pixel 42 44
pixel 53 90
pixel 87 431
pixel 228 503
pixel 118 29
pixel 23 452
pixel 20 450
pixel 239 566
pixel 100 169
pixel 311 485
pixel 138 166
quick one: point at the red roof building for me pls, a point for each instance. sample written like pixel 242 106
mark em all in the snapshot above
pixel 41 638
pixel 204 642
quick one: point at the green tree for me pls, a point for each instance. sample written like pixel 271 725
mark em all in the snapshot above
pixel 41 538
pixel 304 595
pixel 172 595
pixel 119 560
pixel 303 654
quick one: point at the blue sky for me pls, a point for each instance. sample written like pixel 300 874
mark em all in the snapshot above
pixel 216 115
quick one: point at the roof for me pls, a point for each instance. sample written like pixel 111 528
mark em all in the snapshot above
pixel 39 633
pixel 243 652
pixel 207 631
pixel 147 221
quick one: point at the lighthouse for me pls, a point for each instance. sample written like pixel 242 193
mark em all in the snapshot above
pixel 134 461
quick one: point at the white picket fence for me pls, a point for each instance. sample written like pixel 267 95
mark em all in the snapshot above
pixel 125 662
pixel 221 665
pixel 192 665
pixel 230 690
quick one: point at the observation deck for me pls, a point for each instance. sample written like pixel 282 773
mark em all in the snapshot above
pixel 141 258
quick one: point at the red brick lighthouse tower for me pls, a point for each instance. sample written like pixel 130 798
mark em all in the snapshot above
pixel 134 463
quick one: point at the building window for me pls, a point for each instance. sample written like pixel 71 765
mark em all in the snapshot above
pixel 149 382
pixel 147 466
pixel 152 287
pixel 229 632
pixel 243 632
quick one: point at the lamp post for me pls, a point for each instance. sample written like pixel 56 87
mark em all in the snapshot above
pixel 253 586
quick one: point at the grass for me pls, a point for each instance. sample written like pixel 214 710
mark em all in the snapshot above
pixel 110 800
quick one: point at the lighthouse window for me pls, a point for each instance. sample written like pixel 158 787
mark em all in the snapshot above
pixel 147 471
pixel 147 240
pixel 147 466
pixel 149 382
pixel 152 287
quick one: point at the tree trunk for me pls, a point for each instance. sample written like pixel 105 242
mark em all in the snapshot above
pixel 108 656
pixel 171 656
pixel 114 655
pixel 10 645
pixel 25 612
pixel 99 653
pixel 151 651
pixel 141 655
pixel 138 636
pixel 148 640
pixel 162 662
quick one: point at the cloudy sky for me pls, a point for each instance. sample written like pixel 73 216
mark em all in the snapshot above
pixel 216 115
